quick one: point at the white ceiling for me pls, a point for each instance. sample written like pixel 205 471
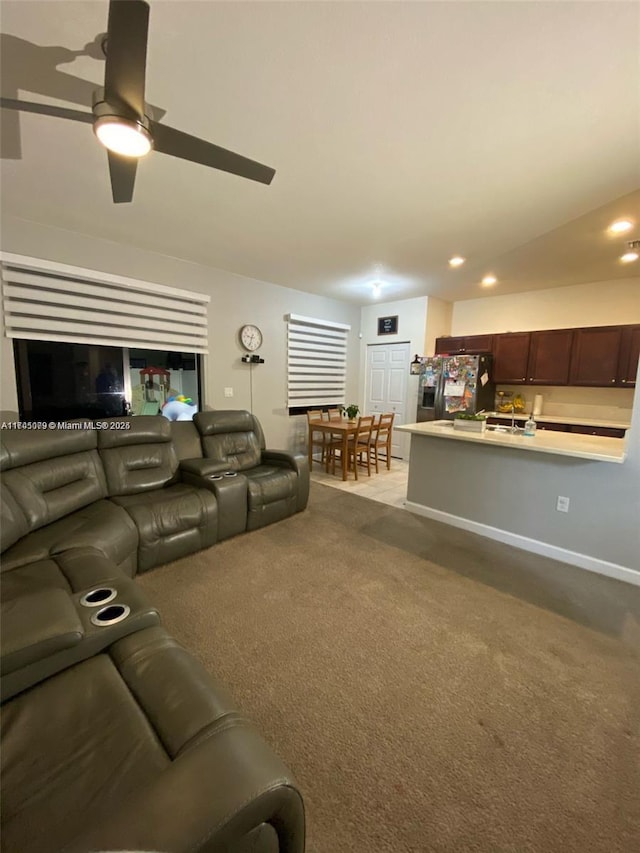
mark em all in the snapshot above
pixel 401 132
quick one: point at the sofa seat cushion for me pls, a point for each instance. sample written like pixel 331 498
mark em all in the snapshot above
pixel 102 526
pixel 171 522
pixel 72 571
pixel 273 494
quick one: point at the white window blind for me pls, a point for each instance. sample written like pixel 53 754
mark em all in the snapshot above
pixel 316 362
pixel 46 301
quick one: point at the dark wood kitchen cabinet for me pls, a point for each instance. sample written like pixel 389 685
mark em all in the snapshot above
pixel 550 357
pixel 464 344
pixel 511 357
pixel 595 355
pixel 629 356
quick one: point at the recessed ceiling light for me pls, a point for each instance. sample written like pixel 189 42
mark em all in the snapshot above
pixel 376 289
pixel 489 280
pixel 633 247
pixel 456 261
pixel 620 226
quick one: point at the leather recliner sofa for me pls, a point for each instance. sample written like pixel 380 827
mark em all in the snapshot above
pixel 113 736
pixel 253 486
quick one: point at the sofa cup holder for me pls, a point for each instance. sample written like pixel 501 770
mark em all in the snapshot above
pixel 111 614
pixel 223 476
pixel 230 473
pixel 97 596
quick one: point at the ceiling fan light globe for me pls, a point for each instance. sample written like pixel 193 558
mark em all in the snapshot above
pixel 122 136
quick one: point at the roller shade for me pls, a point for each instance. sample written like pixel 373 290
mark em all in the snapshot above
pixel 316 362
pixel 56 302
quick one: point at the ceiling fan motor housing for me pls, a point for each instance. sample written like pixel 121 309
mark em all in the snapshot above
pixel 102 107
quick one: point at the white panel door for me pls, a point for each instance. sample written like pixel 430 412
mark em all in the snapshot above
pixel 387 373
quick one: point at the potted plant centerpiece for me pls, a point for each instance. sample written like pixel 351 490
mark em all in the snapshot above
pixel 470 423
pixel 351 411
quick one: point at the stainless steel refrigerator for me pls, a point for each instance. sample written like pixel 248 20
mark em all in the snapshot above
pixel 455 383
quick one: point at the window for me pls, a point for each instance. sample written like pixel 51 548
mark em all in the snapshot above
pixel 58 381
pixel 316 363
pixel 167 382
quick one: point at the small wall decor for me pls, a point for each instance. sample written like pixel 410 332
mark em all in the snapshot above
pixel 388 325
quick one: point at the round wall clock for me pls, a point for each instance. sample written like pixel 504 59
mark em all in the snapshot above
pixel 251 337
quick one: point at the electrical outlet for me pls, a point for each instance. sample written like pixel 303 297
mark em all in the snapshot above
pixel 562 504
pixel 228 392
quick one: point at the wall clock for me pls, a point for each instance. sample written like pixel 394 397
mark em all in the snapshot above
pixel 251 337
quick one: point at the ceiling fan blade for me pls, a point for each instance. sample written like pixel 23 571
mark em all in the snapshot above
pixel 123 176
pixel 168 140
pixel 46 109
pixel 126 55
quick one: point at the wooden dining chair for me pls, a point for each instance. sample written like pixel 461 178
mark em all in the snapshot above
pixel 381 439
pixel 318 439
pixel 359 445
pixel 334 414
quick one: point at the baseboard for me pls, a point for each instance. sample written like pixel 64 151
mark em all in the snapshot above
pixel 582 561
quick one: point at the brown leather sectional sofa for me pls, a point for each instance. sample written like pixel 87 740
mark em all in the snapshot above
pixel 113 736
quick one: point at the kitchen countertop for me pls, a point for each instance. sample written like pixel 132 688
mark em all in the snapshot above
pixel 592 447
pixel 557 419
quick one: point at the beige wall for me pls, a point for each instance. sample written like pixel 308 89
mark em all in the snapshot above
pixel 439 314
pixel 599 303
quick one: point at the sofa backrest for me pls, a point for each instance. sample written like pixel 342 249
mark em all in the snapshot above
pixel 186 440
pixel 231 437
pixel 13 522
pixel 138 454
pixel 48 474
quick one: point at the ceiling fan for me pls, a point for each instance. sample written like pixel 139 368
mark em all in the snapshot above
pixel 119 118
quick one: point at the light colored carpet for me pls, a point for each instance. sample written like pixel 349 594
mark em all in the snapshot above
pixel 431 690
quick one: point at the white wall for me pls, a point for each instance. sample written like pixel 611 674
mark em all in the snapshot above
pixel 235 300
pixel 602 303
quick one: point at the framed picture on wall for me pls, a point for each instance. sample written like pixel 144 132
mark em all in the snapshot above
pixel 388 325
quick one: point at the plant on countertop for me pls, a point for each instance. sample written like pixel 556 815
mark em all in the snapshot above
pixel 351 411
pixel 464 417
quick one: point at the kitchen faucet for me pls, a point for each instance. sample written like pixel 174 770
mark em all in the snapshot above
pixel 514 429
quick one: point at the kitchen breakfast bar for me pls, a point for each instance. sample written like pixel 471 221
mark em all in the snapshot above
pixel 569 496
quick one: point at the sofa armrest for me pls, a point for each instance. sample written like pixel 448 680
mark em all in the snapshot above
pixel 37 626
pixel 297 462
pixel 200 468
pixel 208 800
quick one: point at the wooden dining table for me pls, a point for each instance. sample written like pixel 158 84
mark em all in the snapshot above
pixel 342 428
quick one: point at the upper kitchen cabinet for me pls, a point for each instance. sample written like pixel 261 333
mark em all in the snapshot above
pixel 511 357
pixel 550 357
pixel 460 345
pixel 629 356
pixel 595 355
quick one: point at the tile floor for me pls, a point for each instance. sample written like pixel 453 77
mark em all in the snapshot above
pixel 388 487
